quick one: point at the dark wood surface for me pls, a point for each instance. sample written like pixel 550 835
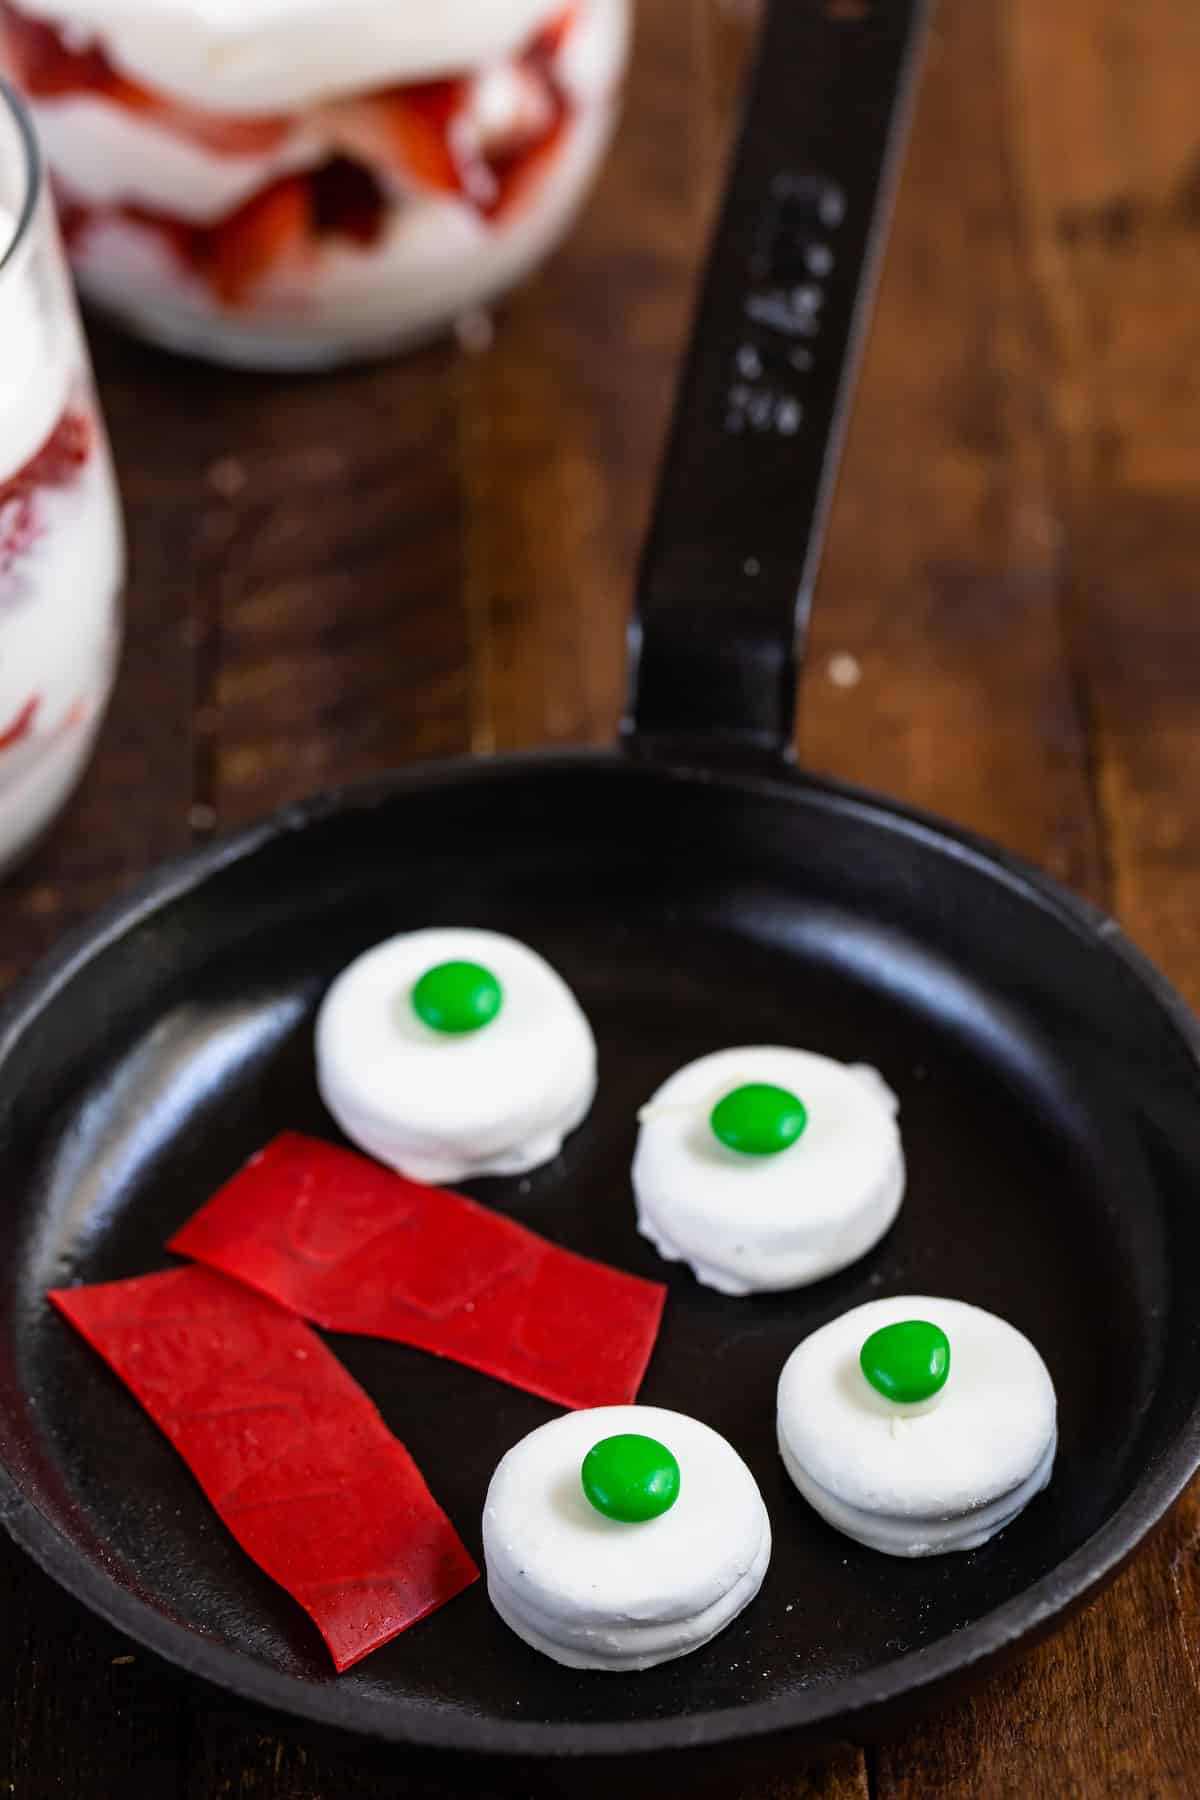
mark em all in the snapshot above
pixel 330 577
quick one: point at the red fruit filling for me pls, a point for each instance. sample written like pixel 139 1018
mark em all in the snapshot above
pixel 60 458
pixel 57 462
pixel 414 132
pixel 339 200
pixel 18 528
pixel 54 465
pixel 20 727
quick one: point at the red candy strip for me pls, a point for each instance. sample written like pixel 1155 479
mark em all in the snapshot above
pixel 290 1451
pixel 353 1247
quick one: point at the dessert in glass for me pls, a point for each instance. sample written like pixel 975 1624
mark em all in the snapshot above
pixel 61 556
pixel 296 183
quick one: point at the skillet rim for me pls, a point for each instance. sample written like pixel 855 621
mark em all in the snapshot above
pixel 813 1712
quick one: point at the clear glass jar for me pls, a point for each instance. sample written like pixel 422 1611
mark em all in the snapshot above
pixel 61 549
pixel 296 183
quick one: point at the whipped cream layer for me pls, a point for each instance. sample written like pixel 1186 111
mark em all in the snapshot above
pixel 59 637
pixel 753 1224
pixel 278 56
pixel 596 1593
pixel 61 549
pixel 57 600
pixel 37 783
pixel 436 259
pixel 440 1107
pixel 35 371
pixel 360 225
pixel 107 155
pixel 919 1480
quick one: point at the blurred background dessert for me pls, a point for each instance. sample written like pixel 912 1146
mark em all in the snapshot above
pixel 296 183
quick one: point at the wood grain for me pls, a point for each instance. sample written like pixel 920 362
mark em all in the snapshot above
pixel 329 577
pixel 1101 134
pixel 563 419
pixel 944 574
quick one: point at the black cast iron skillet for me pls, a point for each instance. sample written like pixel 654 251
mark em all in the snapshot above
pixel 696 891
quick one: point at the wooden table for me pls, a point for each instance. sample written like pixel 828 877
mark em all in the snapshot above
pixel 334 576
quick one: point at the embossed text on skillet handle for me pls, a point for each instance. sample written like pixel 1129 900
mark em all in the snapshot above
pixel 734 543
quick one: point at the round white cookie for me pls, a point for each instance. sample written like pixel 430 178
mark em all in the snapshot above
pixel 595 1593
pixel 919 1480
pixel 442 1107
pixel 748 1224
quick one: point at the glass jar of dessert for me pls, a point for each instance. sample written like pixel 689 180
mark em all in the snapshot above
pixel 61 556
pixel 296 183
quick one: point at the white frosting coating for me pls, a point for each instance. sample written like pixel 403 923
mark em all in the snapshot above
pixel 35 373
pixel 436 259
pixel 440 1107
pixel 751 1224
pixel 278 56
pixel 919 1480
pixel 595 1593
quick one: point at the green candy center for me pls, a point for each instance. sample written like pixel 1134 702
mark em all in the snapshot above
pixel 758 1119
pixel 456 997
pixel 630 1477
pixel 906 1362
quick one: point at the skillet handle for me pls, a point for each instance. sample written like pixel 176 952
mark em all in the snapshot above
pixel 734 543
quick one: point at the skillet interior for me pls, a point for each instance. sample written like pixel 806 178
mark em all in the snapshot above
pixel 1051 1113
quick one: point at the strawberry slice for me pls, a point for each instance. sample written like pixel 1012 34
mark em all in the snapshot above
pixel 551 38
pixel 50 69
pixel 412 126
pixel 226 135
pixel 44 64
pixel 517 175
pixel 21 726
pixel 260 235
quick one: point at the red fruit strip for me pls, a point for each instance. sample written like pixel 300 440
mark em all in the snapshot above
pixel 293 1456
pixel 356 1248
